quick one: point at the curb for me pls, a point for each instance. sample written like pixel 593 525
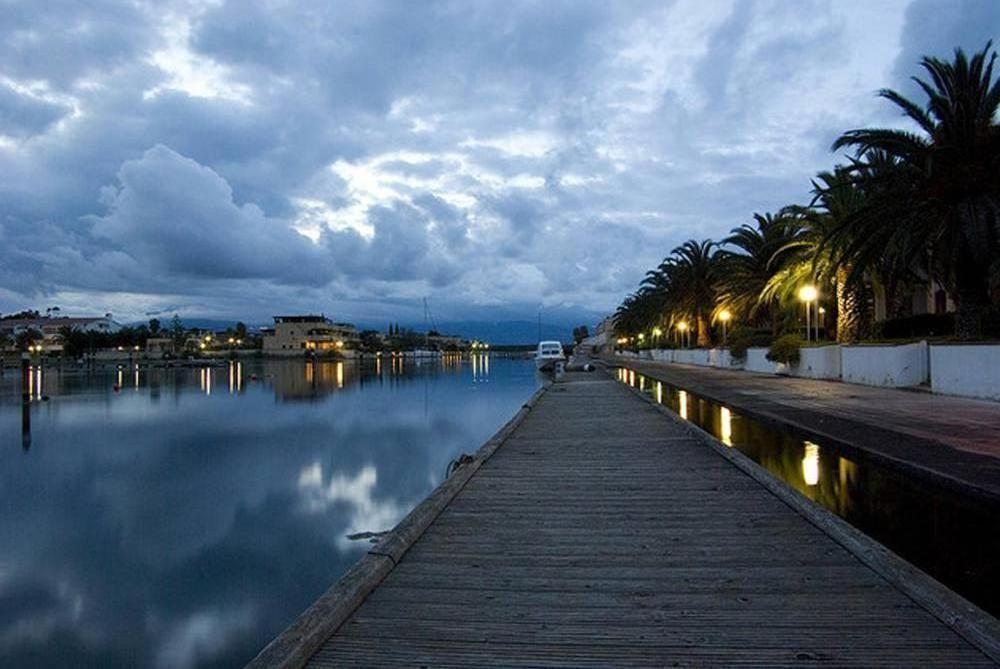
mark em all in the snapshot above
pixel 966 619
pixel 293 647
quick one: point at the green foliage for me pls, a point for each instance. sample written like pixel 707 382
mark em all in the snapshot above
pixel 933 194
pixel 744 338
pixel 786 349
pixel 154 327
pixel 27 314
pixel 26 338
pixel 756 255
pixel 177 332
pixel 370 341
pixel 580 333
pixel 911 206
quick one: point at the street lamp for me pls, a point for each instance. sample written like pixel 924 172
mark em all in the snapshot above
pixel 682 327
pixel 809 294
pixel 724 316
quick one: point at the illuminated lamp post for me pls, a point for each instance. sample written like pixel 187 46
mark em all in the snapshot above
pixel 809 294
pixel 724 316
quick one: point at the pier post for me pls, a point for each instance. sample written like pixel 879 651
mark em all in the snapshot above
pixel 25 401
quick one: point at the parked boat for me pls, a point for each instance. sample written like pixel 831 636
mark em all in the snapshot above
pixel 548 355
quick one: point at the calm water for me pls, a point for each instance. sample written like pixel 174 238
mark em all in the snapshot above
pixel 953 538
pixel 183 517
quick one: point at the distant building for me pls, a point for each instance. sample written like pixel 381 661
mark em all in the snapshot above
pixel 50 328
pixel 160 345
pixel 447 342
pixel 307 333
pixel 600 340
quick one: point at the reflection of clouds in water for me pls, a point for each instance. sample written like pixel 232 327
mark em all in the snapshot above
pixel 207 523
pixel 43 610
pixel 201 636
pixel 367 514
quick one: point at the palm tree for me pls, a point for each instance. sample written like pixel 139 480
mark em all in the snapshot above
pixel 637 313
pixel 820 258
pixel 760 252
pixel 943 198
pixel 693 282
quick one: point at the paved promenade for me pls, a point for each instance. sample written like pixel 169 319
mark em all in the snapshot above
pixel 958 438
pixel 602 532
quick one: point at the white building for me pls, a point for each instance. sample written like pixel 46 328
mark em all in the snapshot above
pixel 296 334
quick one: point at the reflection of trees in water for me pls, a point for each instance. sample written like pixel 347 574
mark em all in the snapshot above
pixel 951 536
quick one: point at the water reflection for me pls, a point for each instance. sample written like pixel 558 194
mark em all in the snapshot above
pixel 725 425
pixel 954 538
pixel 138 532
pixel 810 464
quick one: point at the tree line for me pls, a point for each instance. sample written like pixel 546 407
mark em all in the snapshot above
pixel 908 207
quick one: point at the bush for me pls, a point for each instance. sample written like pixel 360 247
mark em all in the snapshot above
pixel 785 349
pixel 744 338
pixel 921 325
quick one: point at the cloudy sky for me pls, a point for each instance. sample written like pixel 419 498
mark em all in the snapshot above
pixel 237 159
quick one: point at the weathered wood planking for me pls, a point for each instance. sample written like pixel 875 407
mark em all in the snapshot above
pixel 603 534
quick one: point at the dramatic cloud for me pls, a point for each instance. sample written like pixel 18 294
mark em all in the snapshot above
pixel 180 218
pixel 231 158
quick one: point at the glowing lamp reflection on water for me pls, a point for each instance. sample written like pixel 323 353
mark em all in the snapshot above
pixel 659 393
pixel 683 409
pixel 726 426
pixel 810 464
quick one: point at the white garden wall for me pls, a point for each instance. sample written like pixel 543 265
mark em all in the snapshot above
pixel 694 356
pixel 968 370
pixel 821 362
pixel 757 361
pixel 885 365
pixel 719 357
pixel 965 370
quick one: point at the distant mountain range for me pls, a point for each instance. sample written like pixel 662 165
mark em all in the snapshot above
pixel 508 332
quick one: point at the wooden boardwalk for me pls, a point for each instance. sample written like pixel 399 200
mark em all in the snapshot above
pixel 603 533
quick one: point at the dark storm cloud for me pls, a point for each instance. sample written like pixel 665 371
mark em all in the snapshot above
pixel 936 28
pixel 180 217
pixel 221 158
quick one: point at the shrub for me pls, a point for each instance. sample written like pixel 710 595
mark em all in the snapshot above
pixel 744 338
pixel 921 325
pixel 785 349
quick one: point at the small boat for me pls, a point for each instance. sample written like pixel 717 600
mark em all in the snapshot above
pixel 548 355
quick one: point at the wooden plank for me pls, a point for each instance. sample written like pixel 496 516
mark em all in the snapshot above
pixel 602 533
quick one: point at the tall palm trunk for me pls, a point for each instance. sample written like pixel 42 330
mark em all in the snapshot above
pixel 972 298
pixel 969 317
pixel 853 309
pixel 704 341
